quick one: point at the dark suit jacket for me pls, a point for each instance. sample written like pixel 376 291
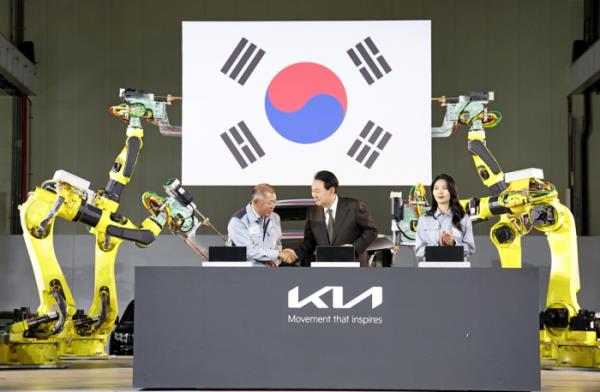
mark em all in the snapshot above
pixel 353 225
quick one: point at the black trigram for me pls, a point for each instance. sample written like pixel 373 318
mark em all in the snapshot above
pixel 370 62
pixel 371 141
pixel 244 143
pixel 245 57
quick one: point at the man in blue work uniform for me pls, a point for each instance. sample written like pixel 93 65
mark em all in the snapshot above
pixel 258 228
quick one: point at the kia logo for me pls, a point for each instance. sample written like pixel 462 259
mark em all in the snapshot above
pixel 376 294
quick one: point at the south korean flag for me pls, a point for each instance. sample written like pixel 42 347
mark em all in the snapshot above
pixel 278 101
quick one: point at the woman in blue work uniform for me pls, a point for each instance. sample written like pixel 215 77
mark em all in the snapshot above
pixel 446 223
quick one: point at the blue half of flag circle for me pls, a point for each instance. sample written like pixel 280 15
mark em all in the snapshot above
pixel 318 119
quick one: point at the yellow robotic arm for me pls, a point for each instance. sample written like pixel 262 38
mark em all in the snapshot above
pixel 471 110
pixel 69 332
pixel 568 334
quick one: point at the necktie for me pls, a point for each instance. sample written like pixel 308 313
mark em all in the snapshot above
pixel 265 225
pixel 330 225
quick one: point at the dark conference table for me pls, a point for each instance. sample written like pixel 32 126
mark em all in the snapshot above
pixel 336 328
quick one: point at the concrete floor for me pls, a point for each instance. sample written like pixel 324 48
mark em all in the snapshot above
pixel 115 374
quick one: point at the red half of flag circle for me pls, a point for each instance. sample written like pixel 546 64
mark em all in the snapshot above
pixel 296 84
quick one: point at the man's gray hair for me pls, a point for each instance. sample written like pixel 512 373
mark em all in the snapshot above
pixel 258 192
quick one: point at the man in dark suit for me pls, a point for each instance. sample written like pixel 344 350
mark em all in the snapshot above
pixel 335 221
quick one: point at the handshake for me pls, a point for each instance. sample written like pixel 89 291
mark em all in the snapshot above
pixel 287 256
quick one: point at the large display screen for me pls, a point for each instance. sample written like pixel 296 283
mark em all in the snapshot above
pixel 278 101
